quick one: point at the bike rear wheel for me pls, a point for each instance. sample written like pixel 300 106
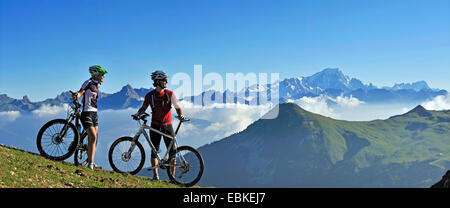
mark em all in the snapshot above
pixel 81 153
pixel 57 139
pixel 188 166
pixel 124 161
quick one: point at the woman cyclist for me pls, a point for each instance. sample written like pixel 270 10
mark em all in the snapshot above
pixel 89 118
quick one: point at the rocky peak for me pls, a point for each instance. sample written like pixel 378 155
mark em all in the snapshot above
pixel 25 99
pixel 444 182
pixel 330 78
pixel 420 110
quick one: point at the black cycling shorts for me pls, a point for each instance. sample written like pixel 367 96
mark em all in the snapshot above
pixel 89 119
pixel 156 138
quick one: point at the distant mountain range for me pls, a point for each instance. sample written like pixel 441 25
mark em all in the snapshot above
pixel 331 82
pixel 302 149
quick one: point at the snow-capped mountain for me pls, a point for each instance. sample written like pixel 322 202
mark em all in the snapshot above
pixel 332 82
pixel 328 79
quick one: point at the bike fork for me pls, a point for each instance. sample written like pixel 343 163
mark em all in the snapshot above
pixel 133 143
pixel 63 131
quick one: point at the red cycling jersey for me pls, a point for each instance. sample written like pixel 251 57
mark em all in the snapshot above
pixel 161 105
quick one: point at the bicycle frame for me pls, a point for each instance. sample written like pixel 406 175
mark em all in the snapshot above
pixel 142 128
pixel 75 115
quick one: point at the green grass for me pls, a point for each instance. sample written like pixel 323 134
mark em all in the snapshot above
pixel 20 169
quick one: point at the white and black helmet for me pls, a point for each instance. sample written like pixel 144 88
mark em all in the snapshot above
pixel 159 75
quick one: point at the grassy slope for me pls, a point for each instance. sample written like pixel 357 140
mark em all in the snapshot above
pixel 19 169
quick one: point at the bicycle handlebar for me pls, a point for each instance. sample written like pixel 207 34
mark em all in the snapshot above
pixel 142 116
pixel 182 118
pixel 75 99
pixel 145 115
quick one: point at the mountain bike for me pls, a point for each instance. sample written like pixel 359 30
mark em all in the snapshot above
pixel 60 138
pixel 127 155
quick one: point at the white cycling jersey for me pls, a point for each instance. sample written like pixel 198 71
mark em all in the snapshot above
pixel 90 96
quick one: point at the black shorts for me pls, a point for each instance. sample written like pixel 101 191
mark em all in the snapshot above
pixel 156 138
pixel 89 119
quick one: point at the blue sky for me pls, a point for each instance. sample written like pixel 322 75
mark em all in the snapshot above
pixel 46 47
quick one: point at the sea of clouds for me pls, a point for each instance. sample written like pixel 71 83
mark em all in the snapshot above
pixel 352 109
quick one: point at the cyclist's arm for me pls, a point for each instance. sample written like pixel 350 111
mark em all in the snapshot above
pixel 82 89
pixel 144 104
pixel 79 93
pixel 176 105
pixel 179 111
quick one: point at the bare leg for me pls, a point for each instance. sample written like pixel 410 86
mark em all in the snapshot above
pixel 155 166
pixel 174 162
pixel 92 140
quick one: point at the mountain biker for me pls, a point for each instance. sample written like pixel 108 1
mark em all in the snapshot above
pixel 160 100
pixel 89 118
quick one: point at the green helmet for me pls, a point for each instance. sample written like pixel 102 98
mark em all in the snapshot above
pixel 97 70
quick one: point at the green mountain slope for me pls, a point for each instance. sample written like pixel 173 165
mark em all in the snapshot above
pixel 302 149
pixel 20 169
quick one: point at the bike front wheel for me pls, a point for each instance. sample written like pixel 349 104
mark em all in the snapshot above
pixel 126 156
pixel 186 166
pixel 57 139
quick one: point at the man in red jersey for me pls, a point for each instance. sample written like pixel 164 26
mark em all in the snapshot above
pixel 160 101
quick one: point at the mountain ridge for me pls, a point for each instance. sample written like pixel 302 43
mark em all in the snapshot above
pixel 330 81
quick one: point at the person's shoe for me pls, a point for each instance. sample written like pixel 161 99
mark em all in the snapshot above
pixel 156 177
pixel 93 166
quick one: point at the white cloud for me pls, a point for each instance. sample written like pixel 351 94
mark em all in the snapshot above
pixel 189 130
pixel 317 105
pixel 50 110
pixel 222 119
pixel 405 110
pixel 344 101
pixel 10 115
pixel 440 102
pixel 321 105
pixel 368 112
